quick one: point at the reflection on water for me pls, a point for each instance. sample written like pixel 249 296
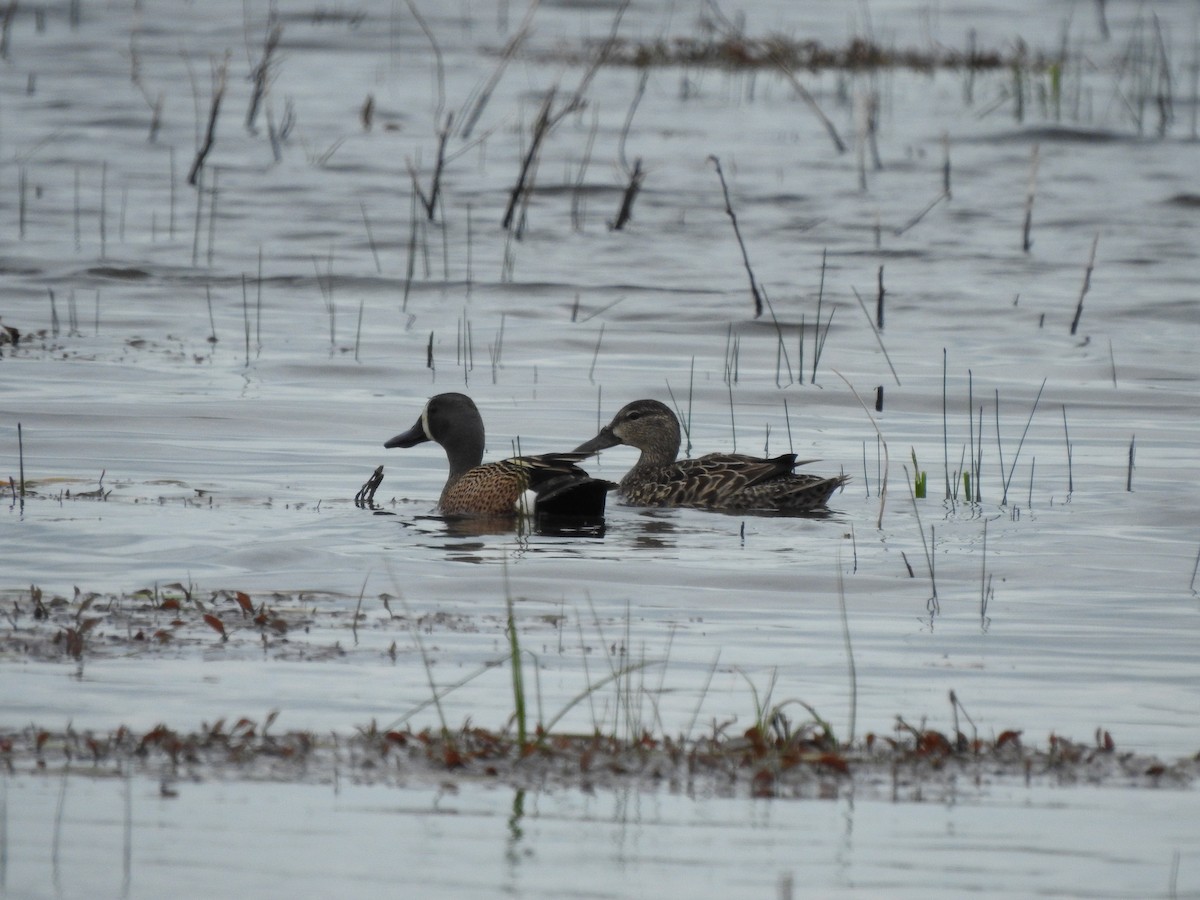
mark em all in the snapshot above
pixel 655 531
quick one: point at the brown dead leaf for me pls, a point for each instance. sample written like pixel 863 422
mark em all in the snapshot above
pixel 216 625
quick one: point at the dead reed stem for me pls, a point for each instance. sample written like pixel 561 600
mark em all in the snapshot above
pixel 1067 439
pixel 983 582
pixel 933 605
pixel 103 209
pixel 780 347
pixel 1026 238
pixel 78 227
pixel 22 193
pixel 946 163
pixel 945 428
pixel 260 75
pixel 734 33
pixel 212 325
pixel 439 65
pixel 6 21
pixel 484 94
pixel 212 213
pixel 875 331
pixel 1087 283
pixel 1020 443
pixel 625 213
pixel 358 329
pixel 754 291
pixel 246 319
pixel 944 195
pixel 596 355
pixel 546 119
pixel 638 93
pixel 199 218
pixel 577 199
pixel 883 443
pixel 732 421
pixel 370 237
pixel 849 652
pixel 21 460
pixel 410 266
pixel 258 296
pixel 879 301
pixel 220 71
pixel 1129 471
pixel 430 201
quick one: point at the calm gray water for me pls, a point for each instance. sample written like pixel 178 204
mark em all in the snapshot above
pixel 230 464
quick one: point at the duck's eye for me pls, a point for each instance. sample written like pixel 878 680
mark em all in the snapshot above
pixel 633 416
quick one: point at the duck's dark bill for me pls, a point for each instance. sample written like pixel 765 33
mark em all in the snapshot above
pixel 602 441
pixel 412 437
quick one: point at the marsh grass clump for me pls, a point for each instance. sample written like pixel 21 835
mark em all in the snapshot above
pixel 740 51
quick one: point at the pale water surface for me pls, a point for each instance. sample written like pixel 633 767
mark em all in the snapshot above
pixel 231 464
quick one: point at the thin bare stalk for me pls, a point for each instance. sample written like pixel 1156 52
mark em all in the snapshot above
pixel 437 57
pixel 596 354
pixel 1129 471
pixel 849 653
pixel 944 195
pixel 1020 443
pixel 1026 238
pixel 934 606
pixel 212 325
pixel 1087 283
pixel 430 200
pixel 246 318
pixel 883 443
pixel 732 31
pixel 1067 439
pixel 577 191
pixel 754 291
pixel 625 213
pixel 484 94
pixel 370 237
pixel 878 337
pixel 260 75
pixel 21 460
pixel 220 71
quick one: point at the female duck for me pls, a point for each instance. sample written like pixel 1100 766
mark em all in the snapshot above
pixel 718 481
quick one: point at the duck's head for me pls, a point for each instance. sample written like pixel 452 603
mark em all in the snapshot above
pixel 453 421
pixel 648 425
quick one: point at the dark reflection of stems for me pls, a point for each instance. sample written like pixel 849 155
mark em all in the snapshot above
pixel 515 832
pixel 127 843
pixel 56 840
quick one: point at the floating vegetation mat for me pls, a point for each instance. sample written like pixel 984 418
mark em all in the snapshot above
pixel 915 765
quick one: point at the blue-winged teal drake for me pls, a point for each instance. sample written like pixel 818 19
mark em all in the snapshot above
pixel 719 481
pixel 559 487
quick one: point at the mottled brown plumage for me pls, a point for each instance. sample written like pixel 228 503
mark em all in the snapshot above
pixel 558 486
pixel 720 481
